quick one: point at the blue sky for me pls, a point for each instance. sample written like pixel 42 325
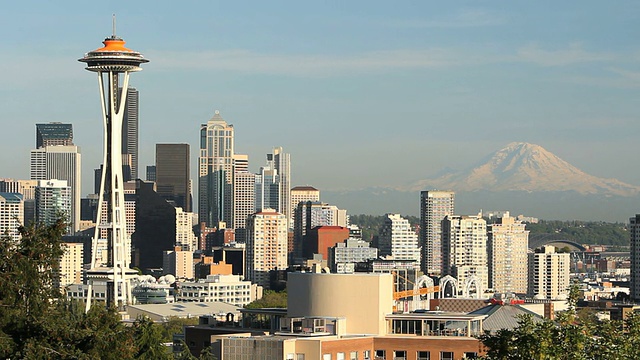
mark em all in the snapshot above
pixel 361 93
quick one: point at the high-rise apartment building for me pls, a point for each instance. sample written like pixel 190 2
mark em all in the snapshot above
pixel 62 162
pixel 267 189
pixel 507 249
pixel 186 240
pixel 53 199
pixel 215 169
pixel 398 239
pixel 548 273
pixel 634 232
pixel 266 245
pixel 301 194
pixel 11 214
pixel 130 133
pixel 434 206
pixel 281 163
pixel 53 133
pixel 464 249
pixel 172 174
pixel 344 256
pixel 178 262
pixel 71 261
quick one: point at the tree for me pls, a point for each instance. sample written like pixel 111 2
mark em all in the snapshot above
pixel 270 299
pixel 148 340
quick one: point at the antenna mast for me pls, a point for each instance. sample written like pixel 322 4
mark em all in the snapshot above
pixel 113 21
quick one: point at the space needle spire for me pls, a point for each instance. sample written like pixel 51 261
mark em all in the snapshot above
pixel 113 63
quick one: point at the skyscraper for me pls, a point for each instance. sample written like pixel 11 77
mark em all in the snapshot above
pixel 464 249
pixel 281 163
pixel 244 184
pixel 53 133
pixel 301 194
pixel 398 239
pixel 130 132
pixel 53 199
pixel 172 174
pixel 434 206
pixel 60 162
pixel 215 182
pixel 507 250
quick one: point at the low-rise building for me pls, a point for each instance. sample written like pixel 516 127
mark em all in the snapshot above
pixel 220 288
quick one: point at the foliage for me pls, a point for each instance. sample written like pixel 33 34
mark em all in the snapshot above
pixel 175 325
pixel 573 336
pixel 370 224
pixel 37 323
pixel 270 299
pixel 583 232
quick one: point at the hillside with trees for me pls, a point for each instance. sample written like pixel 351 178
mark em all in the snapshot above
pixel 582 232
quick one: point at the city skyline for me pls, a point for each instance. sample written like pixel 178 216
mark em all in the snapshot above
pixel 287 74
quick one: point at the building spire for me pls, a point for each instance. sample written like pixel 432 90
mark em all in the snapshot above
pixel 113 25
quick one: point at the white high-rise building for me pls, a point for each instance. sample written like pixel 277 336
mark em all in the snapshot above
pixel 507 247
pixel 185 238
pixel 398 239
pixel 244 201
pixel 60 162
pixel 634 232
pixel 53 199
pixel 434 206
pixel 11 214
pixel 28 190
pixel 548 273
pixel 464 249
pixel 281 163
pixel 266 245
pixel 343 256
pixel 215 168
pixel 71 262
pixel 311 214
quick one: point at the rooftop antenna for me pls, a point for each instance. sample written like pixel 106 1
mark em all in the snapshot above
pixel 113 25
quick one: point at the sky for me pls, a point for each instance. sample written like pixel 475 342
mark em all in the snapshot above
pixel 361 93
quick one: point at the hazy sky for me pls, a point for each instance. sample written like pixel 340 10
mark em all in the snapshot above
pixel 361 93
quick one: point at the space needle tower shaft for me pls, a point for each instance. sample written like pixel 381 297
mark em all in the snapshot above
pixel 113 63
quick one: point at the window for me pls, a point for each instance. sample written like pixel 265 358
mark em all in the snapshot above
pixel 326 357
pixel 399 354
pixel 424 355
pixel 470 355
pixel 290 356
pixel 381 355
pixel 299 356
pixel 353 355
pixel 446 355
pixel 340 356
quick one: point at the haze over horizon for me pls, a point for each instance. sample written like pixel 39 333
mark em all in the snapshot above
pixel 361 93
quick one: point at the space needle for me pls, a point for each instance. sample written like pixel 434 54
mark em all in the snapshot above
pixel 113 63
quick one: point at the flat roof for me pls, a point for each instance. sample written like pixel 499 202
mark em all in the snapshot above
pixel 183 309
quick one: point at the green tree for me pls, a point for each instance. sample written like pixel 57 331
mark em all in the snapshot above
pixel 148 340
pixel 270 299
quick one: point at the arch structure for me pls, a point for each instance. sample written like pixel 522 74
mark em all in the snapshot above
pixel 448 280
pixel 468 286
pixel 423 282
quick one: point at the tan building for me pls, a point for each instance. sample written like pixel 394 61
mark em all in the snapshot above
pixel 300 194
pixel 548 273
pixel 178 263
pixel 434 206
pixel 11 214
pixel 507 246
pixel 266 245
pixel 71 265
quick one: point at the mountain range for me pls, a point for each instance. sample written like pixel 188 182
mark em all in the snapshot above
pixel 523 178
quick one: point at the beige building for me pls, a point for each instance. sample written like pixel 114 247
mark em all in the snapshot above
pixel 70 265
pixel 507 246
pixel 398 239
pixel 548 273
pixel 299 194
pixel 185 237
pixel 266 245
pixel 464 250
pixel 178 263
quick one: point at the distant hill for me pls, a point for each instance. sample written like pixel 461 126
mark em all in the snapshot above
pixel 522 178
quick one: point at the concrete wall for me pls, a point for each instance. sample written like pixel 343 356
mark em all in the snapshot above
pixel 364 299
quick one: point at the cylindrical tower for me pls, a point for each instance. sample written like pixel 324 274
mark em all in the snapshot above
pixel 113 63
